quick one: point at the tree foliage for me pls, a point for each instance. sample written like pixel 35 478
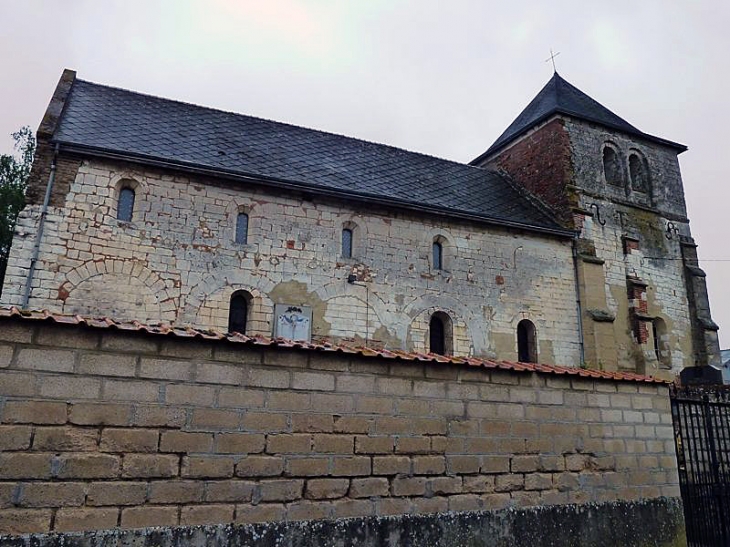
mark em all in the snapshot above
pixel 14 171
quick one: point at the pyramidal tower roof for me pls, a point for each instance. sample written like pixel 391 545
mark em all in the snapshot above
pixel 561 97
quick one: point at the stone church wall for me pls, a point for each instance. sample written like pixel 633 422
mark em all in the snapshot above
pixel 102 428
pixel 631 272
pixel 177 262
pixel 637 235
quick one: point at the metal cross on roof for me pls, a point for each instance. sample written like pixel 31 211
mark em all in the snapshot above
pixel 552 58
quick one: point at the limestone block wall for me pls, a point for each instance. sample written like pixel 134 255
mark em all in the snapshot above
pixel 629 239
pixel 177 262
pixel 654 220
pixel 102 428
pixel 665 295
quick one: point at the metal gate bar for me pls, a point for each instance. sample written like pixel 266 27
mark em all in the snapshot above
pixel 701 416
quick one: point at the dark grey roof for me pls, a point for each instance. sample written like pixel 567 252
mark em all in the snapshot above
pixel 105 120
pixel 561 97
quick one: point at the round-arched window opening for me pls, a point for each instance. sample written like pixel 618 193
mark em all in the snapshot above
pixel 440 334
pixel 639 173
pixel 241 229
pixel 125 204
pixel 347 243
pixel 612 167
pixel 526 342
pixel 238 312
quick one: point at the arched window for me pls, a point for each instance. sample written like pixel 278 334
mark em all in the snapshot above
pixel 438 255
pixel 526 342
pixel 639 173
pixel 440 334
pixel 242 228
pixel 661 342
pixel 347 242
pixel 612 167
pixel 238 312
pixel 125 204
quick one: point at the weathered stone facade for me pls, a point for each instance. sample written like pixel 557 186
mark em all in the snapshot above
pixel 632 272
pixel 103 428
pixel 625 293
pixel 177 262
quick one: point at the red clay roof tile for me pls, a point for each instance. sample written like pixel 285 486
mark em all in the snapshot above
pixel 187 332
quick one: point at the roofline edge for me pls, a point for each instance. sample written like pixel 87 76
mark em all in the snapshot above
pixel 294 185
pixel 558 112
pixel 56 105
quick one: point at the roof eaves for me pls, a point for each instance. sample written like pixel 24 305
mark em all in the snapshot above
pixel 499 146
pixel 304 187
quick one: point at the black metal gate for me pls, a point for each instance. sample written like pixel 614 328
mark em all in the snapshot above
pixel 701 416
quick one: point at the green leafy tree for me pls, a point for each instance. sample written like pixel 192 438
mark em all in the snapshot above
pixel 14 171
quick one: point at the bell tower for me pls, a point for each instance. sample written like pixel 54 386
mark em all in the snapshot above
pixel 643 297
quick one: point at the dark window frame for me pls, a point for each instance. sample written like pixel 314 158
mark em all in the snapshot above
pixel 437 255
pixel 526 342
pixel 238 311
pixel 125 204
pixel 241 233
pixel 347 242
pixel 440 334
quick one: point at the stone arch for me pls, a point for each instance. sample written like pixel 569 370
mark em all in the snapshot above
pixel 134 181
pixel 240 205
pixel 373 320
pixel 463 322
pixel 120 289
pixel 441 334
pixel 207 303
pixel 613 171
pixel 359 227
pixel 639 172
pixel 526 341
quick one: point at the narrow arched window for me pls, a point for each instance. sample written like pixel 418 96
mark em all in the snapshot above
pixel 661 342
pixel 612 167
pixel 238 313
pixel 125 204
pixel 639 173
pixel 347 243
pixel 242 228
pixel 438 256
pixel 437 335
pixel 526 342
pixel 440 334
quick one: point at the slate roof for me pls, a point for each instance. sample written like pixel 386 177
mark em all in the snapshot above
pixel 13 313
pixel 110 121
pixel 561 97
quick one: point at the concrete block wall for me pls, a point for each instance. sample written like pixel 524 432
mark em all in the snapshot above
pixel 177 262
pixel 104 428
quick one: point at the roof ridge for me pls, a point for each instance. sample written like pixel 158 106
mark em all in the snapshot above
pixel 287 124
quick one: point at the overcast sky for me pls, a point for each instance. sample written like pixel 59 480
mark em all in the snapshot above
pixel 444 78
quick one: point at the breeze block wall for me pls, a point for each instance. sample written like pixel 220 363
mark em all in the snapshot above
pixel 102 428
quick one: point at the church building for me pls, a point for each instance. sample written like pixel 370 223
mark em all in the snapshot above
pixel 566 242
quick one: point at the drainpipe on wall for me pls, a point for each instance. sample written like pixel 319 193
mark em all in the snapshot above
pixel 578 305
pixel 39 235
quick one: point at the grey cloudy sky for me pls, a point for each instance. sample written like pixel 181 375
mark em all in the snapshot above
pixel 444 78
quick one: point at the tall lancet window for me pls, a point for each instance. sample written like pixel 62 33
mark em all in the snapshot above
pixel 526 342
pixel 242 228
pixel 125 204
pixel 238 312
pixel 347 243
